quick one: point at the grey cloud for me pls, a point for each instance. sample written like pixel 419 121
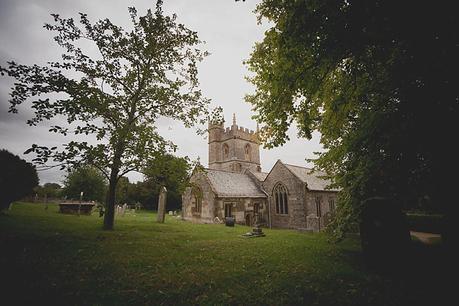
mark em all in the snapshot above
pixel 229 29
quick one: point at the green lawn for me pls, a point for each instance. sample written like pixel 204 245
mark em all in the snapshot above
pixel 47 257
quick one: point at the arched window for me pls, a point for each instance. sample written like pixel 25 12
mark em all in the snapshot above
pixel 225 151
pixel 247 152
pixel 281 197
pixel 331 205
pixel 197 199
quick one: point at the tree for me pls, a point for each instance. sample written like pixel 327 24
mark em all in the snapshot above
pixel 169 171
pixel 48 190
pixel 375 78
pixel 17 178
pixel 123 189
pixel 88 180
pixel 143 193
pixel 117 95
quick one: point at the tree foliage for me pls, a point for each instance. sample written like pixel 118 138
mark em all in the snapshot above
pixel 169 171
pixel 376 79
pixel 48 190
pixel 116 95
pixel 17 178
pixel 88 180
pixel 123 190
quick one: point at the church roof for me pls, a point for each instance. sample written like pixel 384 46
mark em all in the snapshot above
pixel 313 180
pixel 230 184
pixel 259 175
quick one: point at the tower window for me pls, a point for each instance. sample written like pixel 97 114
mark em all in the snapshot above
pixel 247 152
pixel 225 151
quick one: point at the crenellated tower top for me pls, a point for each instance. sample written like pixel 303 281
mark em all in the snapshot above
pixel 233 148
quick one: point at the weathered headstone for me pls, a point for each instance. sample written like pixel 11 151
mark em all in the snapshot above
pixel 162 204
pixel 384 234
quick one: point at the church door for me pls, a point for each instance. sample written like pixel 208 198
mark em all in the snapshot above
pixel 228 210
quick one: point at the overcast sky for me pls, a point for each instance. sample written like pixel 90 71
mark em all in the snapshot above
pixel 229 29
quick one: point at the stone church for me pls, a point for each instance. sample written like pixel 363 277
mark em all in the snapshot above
pixel 234 185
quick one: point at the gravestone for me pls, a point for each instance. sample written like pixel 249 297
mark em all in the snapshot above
pixel 384 234
pixel 101 211
pixel 162 205
pixel 229 221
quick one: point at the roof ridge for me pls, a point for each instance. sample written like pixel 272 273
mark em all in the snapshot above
pixel 250 170
pixel 226 171
pixel 300 167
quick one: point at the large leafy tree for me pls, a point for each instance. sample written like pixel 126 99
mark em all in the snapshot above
pixel 169 171
pixel 17 178
pixel 88 180
pixel 116 95
pixel 378 80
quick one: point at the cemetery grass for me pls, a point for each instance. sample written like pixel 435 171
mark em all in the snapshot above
pixel 52 258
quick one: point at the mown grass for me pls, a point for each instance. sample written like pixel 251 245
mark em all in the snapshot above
pixel 51 258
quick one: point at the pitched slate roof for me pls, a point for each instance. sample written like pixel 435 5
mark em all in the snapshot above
pixel 313 180
pixel 259 175
pixel 230 184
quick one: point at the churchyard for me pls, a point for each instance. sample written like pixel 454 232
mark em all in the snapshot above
pixel 52 258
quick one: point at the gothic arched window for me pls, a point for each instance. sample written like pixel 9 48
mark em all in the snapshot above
pixel 197 199
pixel 225 151
pixel 281 197
pixel 247 152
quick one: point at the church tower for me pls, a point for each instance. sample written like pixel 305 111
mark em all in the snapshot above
pixel 234 148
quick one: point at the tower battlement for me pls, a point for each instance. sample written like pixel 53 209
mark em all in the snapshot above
pixel 234 148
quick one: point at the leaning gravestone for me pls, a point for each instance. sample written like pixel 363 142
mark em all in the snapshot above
pixel 384 234
pixel 162 204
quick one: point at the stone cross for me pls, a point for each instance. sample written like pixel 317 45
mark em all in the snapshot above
pixel 162 204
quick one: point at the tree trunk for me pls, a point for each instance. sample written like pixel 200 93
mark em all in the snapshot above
pixel 109 217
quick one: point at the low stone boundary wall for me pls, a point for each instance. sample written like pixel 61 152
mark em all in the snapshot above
pixel 83 208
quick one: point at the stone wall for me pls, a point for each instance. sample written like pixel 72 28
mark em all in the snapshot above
pixel 241 207
pixel 296 217
pixel 189 208
pixel 317 222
